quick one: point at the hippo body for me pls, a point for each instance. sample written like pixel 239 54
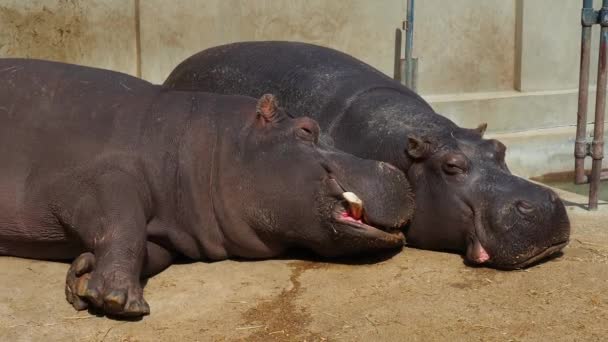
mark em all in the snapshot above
pixel 466 199
pixel 124 177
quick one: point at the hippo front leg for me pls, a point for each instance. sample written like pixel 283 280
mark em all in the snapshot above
pixel 109 218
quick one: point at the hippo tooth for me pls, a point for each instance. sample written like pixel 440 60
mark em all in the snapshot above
pixel 355 204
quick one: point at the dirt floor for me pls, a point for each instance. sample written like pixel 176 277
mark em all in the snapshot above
pixel 413 296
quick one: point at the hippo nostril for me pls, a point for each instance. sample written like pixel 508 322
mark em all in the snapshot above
pixel 524 207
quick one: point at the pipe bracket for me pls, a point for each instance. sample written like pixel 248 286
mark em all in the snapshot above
pixel 582 149
pixel 602 17
pixel 597 150
pixel 589 17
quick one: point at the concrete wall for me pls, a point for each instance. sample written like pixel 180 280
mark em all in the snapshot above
pixel 549 51
pixel 535 115
pixel 465 45
pixel 172 31
pixel 98 33
pixel 103 33
pixel 511 63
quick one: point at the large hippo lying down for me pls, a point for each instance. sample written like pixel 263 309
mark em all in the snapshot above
pixel 466 198
pixel 125 177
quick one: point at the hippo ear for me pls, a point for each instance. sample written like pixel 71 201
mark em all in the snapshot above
pixel 268 107
pixel 481 129
pixel 418 148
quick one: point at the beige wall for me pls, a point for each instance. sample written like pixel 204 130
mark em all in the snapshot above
pixel 549 52
pixel 97 33
pixel 174 30
pixel 511 63
pixel 465 45
pixel 102 32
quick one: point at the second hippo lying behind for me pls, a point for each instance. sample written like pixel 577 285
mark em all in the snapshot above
pixel 124 177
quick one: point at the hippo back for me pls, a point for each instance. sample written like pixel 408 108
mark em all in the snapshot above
pixel 308 79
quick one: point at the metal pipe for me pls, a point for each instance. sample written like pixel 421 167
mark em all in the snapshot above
pixel 588 18
pixel 603 176
pixel 597 146
pixel 137 19
pixel 409 42
pixel 397 60
pixel 414 82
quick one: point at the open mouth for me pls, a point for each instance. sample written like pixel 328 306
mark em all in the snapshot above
pixel 350 216
pixel 351 212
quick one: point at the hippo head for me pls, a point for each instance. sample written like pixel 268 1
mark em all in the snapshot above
pixel 290 192
pixel 467 199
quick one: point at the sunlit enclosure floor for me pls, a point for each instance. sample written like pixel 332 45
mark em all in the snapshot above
pixel 414 295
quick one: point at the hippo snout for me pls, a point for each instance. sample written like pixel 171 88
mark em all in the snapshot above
pixel 529 227
pixel 392 203
pixel 543 199
pixel 378 190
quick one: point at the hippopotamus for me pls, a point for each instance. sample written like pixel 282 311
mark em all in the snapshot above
pixel 466 199
pixel 123 178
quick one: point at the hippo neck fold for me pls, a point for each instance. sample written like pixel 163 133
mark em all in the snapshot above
pixel 208 153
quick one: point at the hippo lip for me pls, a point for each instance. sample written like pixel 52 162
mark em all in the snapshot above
pixel 548 251
pixel 342 216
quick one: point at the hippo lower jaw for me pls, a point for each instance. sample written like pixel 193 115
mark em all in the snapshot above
pixel 544 253
pixel 476 254
pixel 352 225
pixel 349 217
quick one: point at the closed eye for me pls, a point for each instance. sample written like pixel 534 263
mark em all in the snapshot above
pixel 455 164
pixel 306 130
pixel 452 169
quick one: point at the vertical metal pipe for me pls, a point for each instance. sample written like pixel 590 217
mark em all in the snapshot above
pixel 414 82
pixel 409 42
pixel 580 146
pixel 137 38
pixel 597 146
pixel 397 61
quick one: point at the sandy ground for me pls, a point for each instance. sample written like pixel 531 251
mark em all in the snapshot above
pixel 413 296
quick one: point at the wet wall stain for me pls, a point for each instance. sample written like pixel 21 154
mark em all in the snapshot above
pixel 94 33
pixel 43 33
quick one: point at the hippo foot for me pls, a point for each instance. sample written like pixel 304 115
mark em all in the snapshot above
pixel 112 291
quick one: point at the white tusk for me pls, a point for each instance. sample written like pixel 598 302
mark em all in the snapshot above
pixel 355 204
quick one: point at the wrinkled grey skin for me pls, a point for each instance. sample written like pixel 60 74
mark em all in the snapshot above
pixel 466 198
pixel 126 177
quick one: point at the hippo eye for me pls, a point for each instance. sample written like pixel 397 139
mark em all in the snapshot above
pixel 305 133
pixel 307 129
pixel 454 165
